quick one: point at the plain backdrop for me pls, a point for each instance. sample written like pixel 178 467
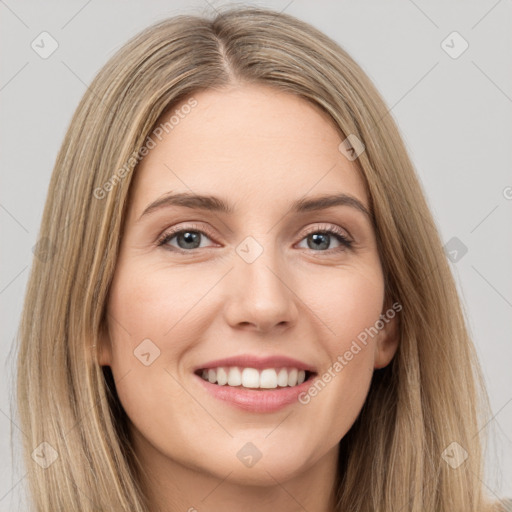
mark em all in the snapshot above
pixel 453 108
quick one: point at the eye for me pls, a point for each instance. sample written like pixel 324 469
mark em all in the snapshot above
pixel 187 238
pixel 319 239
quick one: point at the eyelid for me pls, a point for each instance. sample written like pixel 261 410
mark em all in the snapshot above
pixel 327 227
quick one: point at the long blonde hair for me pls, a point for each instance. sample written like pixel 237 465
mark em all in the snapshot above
pixel 430 396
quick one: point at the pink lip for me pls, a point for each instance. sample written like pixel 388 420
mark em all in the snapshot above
pixel 260 363
pixel 256 400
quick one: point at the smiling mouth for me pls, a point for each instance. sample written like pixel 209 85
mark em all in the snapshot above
pixel 252 378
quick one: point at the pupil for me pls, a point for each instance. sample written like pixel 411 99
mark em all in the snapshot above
pixel 320 241
pixel 190 238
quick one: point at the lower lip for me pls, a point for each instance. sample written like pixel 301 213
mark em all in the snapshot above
pixel 256 400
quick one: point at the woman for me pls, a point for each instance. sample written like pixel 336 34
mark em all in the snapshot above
pixel 243 301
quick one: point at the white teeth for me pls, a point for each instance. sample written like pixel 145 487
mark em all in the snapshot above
pixel 269 378
pixel 222 376
pixel 282 378
pixel 234 377
pixel 250 378
pixel 292 377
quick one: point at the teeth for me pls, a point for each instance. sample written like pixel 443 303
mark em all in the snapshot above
pixel 269 378
pixel 222 376
pixel 250 378
pixel 282 377
pixel 234 377
pixel 292 377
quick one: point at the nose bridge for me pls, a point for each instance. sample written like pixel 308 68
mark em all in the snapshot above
pixel 261 293
pixel 258 261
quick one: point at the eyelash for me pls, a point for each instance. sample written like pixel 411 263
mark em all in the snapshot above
pixel 329 229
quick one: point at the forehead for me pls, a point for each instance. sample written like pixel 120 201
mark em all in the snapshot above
pixel 252 144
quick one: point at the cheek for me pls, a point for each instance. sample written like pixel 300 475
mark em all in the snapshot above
pixel 350 306
pixel 347 303
pixel 155 305
pixel 152 324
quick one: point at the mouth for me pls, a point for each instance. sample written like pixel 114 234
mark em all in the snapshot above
pixel 255 379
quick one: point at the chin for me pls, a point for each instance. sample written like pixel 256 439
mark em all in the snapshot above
pixel 263 466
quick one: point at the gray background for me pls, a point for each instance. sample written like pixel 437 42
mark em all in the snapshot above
pixel 454 114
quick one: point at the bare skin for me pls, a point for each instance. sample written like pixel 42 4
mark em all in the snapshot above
pixel 259 150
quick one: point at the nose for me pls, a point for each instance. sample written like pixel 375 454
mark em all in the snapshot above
pixel 261 296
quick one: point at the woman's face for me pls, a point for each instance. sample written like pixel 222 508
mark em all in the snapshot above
pixel 268 290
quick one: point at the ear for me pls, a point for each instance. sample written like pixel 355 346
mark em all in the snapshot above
pixel 386 343
pixel 104 348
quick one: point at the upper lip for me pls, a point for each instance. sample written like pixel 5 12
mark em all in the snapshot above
pixel 258 362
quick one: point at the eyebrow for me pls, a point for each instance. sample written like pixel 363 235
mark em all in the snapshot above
pixel 215 204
